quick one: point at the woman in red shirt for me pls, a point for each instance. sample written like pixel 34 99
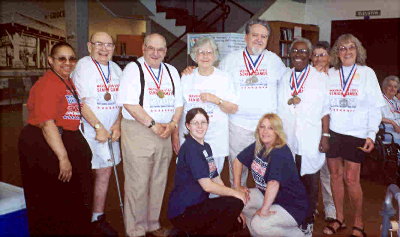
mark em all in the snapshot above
pixel 55 158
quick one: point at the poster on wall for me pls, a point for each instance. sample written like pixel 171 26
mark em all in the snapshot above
pixel 226 42
pixel 22 47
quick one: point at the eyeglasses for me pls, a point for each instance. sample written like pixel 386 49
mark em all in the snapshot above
pixel 320 55
pixel 344 48
pixel 199 124
pixel 300 51
pixel 205 52
pixel 159 50
pixel 101 44
pixel 63 59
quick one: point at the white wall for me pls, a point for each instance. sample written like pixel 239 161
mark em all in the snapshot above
pixel 323 12
pixel 285 10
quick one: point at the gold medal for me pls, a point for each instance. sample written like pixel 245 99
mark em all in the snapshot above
pixel 290 101
pixel 160 94
pixel 296 100
pixel 107 96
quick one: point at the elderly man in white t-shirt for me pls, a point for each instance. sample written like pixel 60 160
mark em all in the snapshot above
pixel 97 80
pixel 152 105
pixel 255 73
pixel 303 105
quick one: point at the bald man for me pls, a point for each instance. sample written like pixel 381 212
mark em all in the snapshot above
pixel 97 80
pixel 151 109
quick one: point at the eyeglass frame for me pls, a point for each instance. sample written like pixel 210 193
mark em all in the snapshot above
pixel 197 124
pixel 300 51
pixel 100 45
pixel 159 50
pixel 343 48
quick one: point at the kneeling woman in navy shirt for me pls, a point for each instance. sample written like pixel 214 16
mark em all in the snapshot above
pixel 279 203
pixel 190 209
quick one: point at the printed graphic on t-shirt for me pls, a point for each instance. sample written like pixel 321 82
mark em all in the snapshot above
pixel 253 81
pixel 101 91
pixel 258 168
pixel 193 101
pixel 164 104
pixel 72 108
pixel 341 103
pixel 212 167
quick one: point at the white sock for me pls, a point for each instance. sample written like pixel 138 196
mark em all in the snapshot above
pixel 95 215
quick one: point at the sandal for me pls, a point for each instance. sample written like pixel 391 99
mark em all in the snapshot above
pixel 361 230
pixel 329 227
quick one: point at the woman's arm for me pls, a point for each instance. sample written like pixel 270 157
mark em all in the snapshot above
pixel 216 188
pixel 269 198
pixel 225 106
pixel 53 138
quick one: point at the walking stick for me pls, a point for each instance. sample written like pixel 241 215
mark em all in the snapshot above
pixel 116 176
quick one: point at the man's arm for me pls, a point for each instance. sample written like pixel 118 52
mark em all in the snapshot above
pixel 101 132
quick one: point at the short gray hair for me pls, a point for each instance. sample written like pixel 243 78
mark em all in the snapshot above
pixel 388 79
pixel 200 43
pixel 259 22
pixel 302 40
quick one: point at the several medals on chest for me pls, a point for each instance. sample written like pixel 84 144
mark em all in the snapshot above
pixel 157 79
pixel 345 83
pixel 251 66
pixel 106 80
pixel 296 85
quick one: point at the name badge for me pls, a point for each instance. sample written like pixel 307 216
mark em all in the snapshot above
pixel 205 153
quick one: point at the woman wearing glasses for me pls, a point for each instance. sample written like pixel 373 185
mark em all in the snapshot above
pixel 209 88
pixel 54 156
pixel 190 209
pixel 355 101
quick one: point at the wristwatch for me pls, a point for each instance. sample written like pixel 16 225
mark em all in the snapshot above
pixel 220 102
pixel 326 134
pixel 97 126
pixel 152 123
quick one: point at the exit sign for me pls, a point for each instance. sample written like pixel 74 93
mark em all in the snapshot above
pixel 368 13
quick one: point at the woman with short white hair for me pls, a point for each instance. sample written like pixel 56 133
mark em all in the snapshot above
pixel 391 111
pixel 209 88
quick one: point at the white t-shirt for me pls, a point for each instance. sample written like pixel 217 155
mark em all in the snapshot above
pixel 302 122
pixel 391 110
pixel 90 85
pixel 256 96
pixel 218 84
pixel 160 109
pixel 358 113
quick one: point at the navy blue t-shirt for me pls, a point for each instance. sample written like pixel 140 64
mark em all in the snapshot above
pixel 279 166
pixel 195 161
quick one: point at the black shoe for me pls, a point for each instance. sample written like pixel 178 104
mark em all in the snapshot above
pixel 102 228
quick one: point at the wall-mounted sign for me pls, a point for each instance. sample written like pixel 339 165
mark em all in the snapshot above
pixel 55 15
pixel 368 13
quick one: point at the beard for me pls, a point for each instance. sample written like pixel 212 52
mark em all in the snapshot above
pixel 256 51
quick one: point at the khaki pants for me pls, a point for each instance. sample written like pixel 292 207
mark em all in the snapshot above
pixel 239 138
pixel 146 159
pixel 279 224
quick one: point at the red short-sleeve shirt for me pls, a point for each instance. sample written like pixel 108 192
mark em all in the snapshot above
pixel 49 99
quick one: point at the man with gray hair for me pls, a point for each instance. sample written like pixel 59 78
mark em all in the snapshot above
pixel 303 105
pixel 151 96
pixel 255 73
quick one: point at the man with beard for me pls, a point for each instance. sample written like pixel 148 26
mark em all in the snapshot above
pixel 303 106
pixel 255 73
pixel 97 80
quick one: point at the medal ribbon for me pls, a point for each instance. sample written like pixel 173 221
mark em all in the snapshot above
pixel 393 105
pixel 296 83
pixel 345 83
pixel 106 80
pixel 250 64
pixel 157 79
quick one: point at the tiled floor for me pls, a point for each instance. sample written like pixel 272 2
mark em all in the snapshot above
pixel 11 124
